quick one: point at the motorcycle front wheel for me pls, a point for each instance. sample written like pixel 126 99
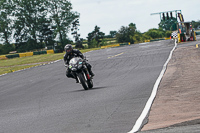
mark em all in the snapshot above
pixel 90 83
pixel 83 81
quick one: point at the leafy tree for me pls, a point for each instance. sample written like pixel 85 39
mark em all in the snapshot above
pixel 138 37
pixel 6 48
pixel 93 43
pixel 157 33
pixel 74 29
pixel 145 37
pixel 126 34
pixel 195 24
pixel 103 42
pixel 154 33
pixel 30 15
pixel 113 33
pixel 168 33
pixel 61 17
pixel 169 24
pixel 7 8
pixel 122 35
pixel 25 18
pixel 96 35
pixel 1 49
pixel 132 31
pixel 46 35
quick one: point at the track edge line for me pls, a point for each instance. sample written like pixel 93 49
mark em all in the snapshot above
pixel 149 103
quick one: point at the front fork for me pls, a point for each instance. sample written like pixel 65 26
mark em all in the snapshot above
pixel 86 73
pixel 75 76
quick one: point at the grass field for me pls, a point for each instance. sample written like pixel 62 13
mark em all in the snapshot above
pixel 15 64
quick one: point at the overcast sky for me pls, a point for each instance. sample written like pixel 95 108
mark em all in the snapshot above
pixel 112 14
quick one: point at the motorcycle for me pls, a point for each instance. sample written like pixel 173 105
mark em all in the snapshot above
pixel 79 70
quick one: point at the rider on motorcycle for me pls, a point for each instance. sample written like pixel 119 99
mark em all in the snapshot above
pixel 70 53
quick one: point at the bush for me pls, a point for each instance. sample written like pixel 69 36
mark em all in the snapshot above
pixel 5 49
pixel 93 44
pixel 103 42
pixel 168 33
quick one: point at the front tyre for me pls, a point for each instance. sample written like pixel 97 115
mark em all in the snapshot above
pixel 83 81
pixel 90 83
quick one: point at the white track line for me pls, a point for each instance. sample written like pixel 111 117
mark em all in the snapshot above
pixel 144 113
pixel 33 67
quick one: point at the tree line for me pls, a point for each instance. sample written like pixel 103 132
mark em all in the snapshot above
pixel 33 24
pixel 130 33
pixel 125 34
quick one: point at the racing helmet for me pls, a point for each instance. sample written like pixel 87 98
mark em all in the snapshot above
pixel 68 48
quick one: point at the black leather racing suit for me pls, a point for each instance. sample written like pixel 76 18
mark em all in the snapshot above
pixel 68 57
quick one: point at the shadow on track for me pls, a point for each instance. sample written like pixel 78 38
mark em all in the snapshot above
pixel 95 88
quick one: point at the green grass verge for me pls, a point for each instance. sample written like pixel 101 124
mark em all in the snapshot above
pixel 14 68
pixel 15 64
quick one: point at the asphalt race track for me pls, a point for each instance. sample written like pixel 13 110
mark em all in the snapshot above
pixel 43 100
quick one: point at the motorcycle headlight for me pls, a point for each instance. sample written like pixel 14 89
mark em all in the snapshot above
pixel 74 69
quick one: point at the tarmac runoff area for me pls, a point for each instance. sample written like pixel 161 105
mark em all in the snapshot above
pixel 176 106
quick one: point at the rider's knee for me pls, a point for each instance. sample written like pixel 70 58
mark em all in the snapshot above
pixel 89 66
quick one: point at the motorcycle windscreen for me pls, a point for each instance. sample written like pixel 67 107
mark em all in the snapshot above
pixel 73 61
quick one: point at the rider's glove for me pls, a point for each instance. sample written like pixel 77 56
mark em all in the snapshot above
pixel 84 59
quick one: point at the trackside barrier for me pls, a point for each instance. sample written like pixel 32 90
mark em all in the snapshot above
pixel 39 52
pixel 25 54
pixel 116 45
pixel 179 38
pixel 167 38
pixel 197 32
pixel 50 51
pixel 28 54
pixel 152 40
pixel 157 40
pixel 109 46
pixel 22 54
pixel 3 57
pixel 195 36
pixel 57 51
pixel 12 56
pixel 123 44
